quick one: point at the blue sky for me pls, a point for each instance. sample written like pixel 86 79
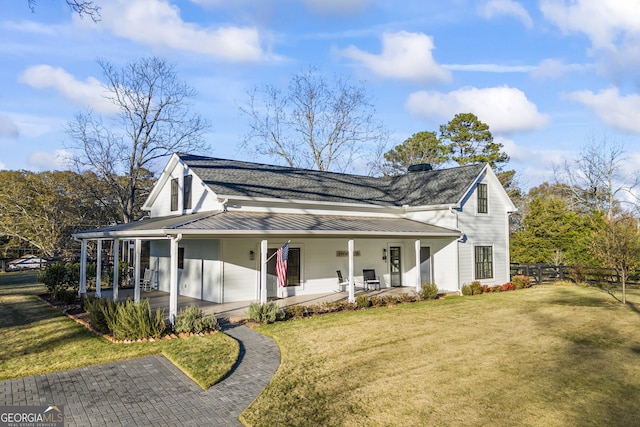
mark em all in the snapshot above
pixel 545 75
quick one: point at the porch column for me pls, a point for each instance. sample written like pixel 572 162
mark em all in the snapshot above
pixel 262 293
pixel 418 266
pixel 352 286
pixel 136 270
pixel 116 261
pixel 173 283
pixel 98 268
pixel 83 268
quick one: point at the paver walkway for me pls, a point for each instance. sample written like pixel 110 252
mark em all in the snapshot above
pixel 151 391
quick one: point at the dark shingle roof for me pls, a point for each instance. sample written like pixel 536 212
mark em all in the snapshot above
pixel 238 178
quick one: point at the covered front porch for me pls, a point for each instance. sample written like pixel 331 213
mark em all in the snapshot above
pixel 223 257
pixel 237 311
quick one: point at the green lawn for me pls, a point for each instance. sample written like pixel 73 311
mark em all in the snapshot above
pixel 38 339
pixel 545 356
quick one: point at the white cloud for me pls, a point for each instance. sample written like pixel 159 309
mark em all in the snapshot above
pixel 337 7
pixel 88 93
pixel 44 161
pixel 2 166
pixel 554 68
pixel 495 8
pixel 619 112
pixel 158 24
pixel 7 127
pixel 489 68
pixel 604 22
pixel 405 56
pixel 504 109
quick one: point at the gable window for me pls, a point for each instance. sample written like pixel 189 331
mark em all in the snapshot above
pixel 293 266
pixel 484 262
pixel 483 199
pixel 174 194
pixel 186 192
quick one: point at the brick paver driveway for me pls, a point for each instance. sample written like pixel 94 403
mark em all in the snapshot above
pixel 151 391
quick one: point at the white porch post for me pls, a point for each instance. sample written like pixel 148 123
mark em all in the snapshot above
pixel 83 268
pixel 136 270
pixel 116 261
pixel 263 272
pixel 173 286
pixel 352 286
pixel 418 266
pixel 98 268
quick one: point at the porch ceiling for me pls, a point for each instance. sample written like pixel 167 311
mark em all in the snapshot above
pixel 236 223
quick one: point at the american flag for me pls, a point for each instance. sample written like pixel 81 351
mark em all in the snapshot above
pixel 281 264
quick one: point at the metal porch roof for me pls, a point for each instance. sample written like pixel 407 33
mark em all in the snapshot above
pixel 236 223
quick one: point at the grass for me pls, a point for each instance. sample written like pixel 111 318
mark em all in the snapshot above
pixel 38 339
pixel 545 356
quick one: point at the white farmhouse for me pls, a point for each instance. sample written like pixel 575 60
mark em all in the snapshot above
pixel 214 225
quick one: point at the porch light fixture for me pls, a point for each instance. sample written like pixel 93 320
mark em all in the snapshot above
pixel 252 255
pixel 384 254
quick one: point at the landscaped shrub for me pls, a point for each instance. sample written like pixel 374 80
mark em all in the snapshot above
pixel 376 301
pixel 362 301
pixel 390 300
pixel 485 289
pixel 496 288
pixel 264 313
pixel 476 288
pixel 294 312
pixel 521 282
pixel 507 287
pixel 404 298
pixel 132 321
pixel 53 277
pixel 93 306
pixel 466 290
pixel 429 291
pixel 192 320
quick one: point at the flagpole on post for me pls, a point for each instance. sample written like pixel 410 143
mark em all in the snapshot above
pixel 282 260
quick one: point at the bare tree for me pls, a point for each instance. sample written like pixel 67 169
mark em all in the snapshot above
pixel 154 120
pixel 316 123
pixel 81 7
pixel 597 179
pixel 617 246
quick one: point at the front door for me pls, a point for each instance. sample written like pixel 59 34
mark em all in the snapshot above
pixel 395 265
pixel 425 264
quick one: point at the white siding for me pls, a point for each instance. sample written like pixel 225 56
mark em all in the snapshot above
pixel 209 263
pixel 485 230
pixel 202 198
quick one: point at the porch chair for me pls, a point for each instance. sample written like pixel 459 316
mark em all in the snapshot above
pixel 146 280
pixel 342 284
pixel 370 279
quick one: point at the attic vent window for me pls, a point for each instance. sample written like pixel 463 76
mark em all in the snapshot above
pixel 483 199
pixel 174 194
pixel 186 192
pixel 420 167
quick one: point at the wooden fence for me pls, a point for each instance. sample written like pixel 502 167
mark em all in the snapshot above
pixel 547 273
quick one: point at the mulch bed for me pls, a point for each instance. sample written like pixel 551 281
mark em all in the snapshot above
pixel 77 313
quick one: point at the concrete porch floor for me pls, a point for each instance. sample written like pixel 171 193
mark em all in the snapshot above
pixel 237 311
